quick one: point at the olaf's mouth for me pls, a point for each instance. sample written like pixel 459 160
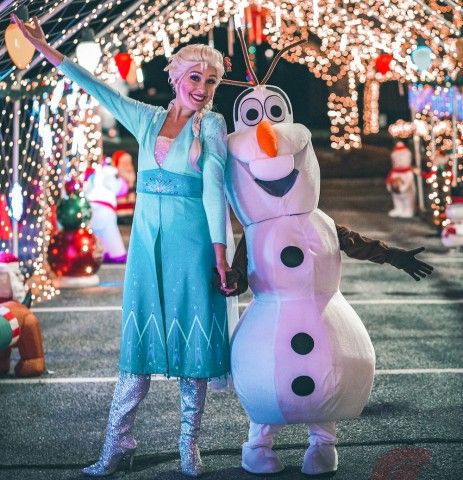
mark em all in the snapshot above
pixel 280 187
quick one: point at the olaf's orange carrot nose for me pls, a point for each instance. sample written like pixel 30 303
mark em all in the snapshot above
pixel 266 138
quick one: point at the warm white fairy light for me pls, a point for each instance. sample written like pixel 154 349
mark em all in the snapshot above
pixel 348 36
pixel 28 194
pixel 433 107
pixel 17 206
pixel 45 144
pixel 401 129
pixel 371 107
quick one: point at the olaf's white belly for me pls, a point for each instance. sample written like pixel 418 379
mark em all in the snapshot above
pixel 300 353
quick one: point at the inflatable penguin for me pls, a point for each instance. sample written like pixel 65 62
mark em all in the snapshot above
pixel 102 187
pixel 400 182
pixel 452 234
pixel 300 353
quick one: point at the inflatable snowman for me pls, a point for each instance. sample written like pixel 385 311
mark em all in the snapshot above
pixel 400 182
pixel 300 353
pixel 452 234
pixel 102 187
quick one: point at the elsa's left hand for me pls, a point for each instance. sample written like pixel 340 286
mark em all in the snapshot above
pixel 222 269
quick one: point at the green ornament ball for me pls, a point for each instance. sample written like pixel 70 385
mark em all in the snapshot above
pixel 73 212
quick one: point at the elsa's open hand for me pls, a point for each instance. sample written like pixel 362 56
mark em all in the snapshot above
pixel 31 31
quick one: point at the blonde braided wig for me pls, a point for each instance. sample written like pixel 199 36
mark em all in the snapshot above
pixel 179 64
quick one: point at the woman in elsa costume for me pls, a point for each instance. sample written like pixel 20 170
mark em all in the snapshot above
pixel 173 321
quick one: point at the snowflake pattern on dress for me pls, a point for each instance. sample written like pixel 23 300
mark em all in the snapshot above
pixel 159 183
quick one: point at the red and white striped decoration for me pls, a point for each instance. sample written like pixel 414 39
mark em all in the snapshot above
pixel 8 315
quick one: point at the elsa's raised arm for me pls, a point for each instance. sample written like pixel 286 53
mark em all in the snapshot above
pixel 130 113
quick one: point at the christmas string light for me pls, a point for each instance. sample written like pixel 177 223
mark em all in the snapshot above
pixel 365 29
pixel 371 107
pixel 436 106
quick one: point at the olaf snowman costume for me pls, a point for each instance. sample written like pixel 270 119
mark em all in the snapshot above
pixel 400 182
pixel 300 353
pixel 315 363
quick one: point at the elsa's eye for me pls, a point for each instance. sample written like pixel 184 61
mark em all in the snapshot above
pixel 195 77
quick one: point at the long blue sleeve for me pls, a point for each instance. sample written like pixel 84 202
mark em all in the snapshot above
pixel 134 115
pixel 214 155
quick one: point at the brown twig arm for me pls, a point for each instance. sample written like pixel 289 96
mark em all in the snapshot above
pixel 246 57
pixel 277 59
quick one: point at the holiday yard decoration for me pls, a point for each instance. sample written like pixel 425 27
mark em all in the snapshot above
pixel 400 182
pixel 74 253
pixel 19 49
pixel 20 328
pixel 437 132
pixel 452 233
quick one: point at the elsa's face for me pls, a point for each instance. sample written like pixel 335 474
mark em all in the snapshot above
pixel 197 87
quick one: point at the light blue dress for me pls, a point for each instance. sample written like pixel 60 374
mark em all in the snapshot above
pixel 173 320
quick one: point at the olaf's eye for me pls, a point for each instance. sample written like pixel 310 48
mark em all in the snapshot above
pixel 275 108
pixel 251 111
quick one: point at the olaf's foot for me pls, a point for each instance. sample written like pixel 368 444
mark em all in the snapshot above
pixel 320 459
pixel 394 213
pixel 407 214
pixel 260 460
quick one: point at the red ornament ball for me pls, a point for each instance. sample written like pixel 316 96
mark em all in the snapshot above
pixel 74 253
pixel 383 63
pixel 72 186
pixel 123 61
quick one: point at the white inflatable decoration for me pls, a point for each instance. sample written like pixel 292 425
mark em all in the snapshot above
pixel 102 188
pixel 452 234
pixel 11 279
pixel 300 353
pixel 123 162
pixel 400 182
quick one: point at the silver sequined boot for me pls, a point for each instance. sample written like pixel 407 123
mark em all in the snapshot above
pixel 119 445
pixel 192 400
